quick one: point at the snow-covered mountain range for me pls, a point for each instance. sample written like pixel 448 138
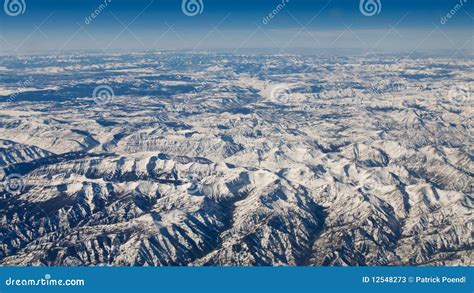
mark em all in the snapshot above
pixel 194 159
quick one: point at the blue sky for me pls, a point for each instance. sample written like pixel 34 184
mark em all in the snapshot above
pixel 59 25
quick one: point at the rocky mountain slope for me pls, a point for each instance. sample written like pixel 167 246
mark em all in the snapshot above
pixel 206 159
